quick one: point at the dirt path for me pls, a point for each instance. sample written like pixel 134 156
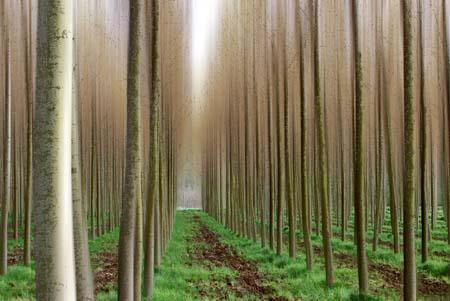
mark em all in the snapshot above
pixel 212 253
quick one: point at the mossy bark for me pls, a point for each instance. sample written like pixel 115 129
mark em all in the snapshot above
pixel 52 170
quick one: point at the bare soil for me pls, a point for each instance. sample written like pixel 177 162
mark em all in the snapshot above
pixel 106 272
pixel 15 257
pixel 391 276
pixel 211 252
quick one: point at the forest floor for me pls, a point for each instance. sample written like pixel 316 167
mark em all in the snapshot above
pixel 205 261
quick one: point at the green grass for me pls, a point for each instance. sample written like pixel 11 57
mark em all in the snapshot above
pixel 179 277
pixel 18 284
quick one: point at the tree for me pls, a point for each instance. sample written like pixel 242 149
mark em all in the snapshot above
pixel 133 161
pixel 305 202
pixel 29 108
pixel 154 147
pixel 287 155
pixel 84 279
pixel 423 142
pixel 7 170
pixel 363 275
pixel 270 157
pixel 390 166
pixel 52 178
pixel 409 278
pixel 447 79
pixel 326 224
pixel 279 207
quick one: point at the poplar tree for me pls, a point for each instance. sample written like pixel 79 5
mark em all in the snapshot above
pixel 149 262
pixel 7 152
pixel 423 142
pixel 52 169
pixel 133 161
pixel 360 229
pixel 84 277
pixel 409 274
pixel 305 200
pixel 323 182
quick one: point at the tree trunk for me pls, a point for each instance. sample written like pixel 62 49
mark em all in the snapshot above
pixel 363 275
pixel 305 202
pixel 133 164
pixel 287 156
pixel 153 16
pixel 423 143
pixel 29 110
pixel 84 279
pixel 409 278
pixel 52 185
pixel 326 224
pixel 6 198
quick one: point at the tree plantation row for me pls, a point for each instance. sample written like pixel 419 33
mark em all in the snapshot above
pixel 89 135
pixel 302 121
pixel 321 113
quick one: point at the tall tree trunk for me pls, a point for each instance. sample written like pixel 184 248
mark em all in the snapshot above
pixel 84 279
pixel 287 156
pixel 409 278
pixel 133 164
pixel 363 275
pixel 326 224
pixel 153 36
pixel 270 159
pixel 6 198
pixel 138 236
pixel 52 185
pixel 447 79
pixel 29 110
pixel 390 168
pixel 279 208
pixel 305 202
pixel 423 142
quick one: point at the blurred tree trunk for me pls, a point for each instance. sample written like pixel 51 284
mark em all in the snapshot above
pixel 84 277
pixel 6 197
pixel 410 281
pixel 153 36
pixel 29 111
pixel 323 182
pixel 287 156
pixel 447 78
pixel 305 201
pixel 133 164
pixel 360 223
pixel 423 141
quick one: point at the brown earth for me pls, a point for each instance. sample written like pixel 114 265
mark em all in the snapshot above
pixel 106 272
pixel 391 276
pixel 213 253
pixel 445 255
pixel 15 257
